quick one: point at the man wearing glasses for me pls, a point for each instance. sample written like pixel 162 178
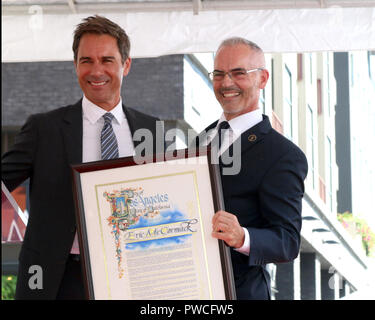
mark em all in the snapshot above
pixel 262 218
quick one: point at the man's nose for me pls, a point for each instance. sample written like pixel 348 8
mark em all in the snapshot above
pixel 227 80
pixel 97 69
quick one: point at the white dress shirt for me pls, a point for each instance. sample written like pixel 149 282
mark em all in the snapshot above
pixel 238 125
pixel 93 122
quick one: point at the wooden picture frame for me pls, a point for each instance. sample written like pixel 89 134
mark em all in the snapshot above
pixel 145 229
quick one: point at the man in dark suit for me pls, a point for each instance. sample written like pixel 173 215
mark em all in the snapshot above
pixel 50 142
pixel 263 185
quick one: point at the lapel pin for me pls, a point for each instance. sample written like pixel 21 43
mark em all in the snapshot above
pixel 252 137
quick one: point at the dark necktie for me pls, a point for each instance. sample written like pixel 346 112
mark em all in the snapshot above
pixel 108 139
pixel 223 126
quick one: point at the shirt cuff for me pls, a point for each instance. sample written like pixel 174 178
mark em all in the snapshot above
pixel 245 249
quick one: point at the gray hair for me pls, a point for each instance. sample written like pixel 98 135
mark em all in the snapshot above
pixel 238 40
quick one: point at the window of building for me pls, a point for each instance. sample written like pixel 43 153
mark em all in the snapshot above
pixel 351 70
pixel 288 102
pixel 311 67
pixel 319 96
pixel 328 86
pixel 310 143
pixel 262 100
pixel 329 172
pixel 371 64
pixel 273 84
pixel 299 66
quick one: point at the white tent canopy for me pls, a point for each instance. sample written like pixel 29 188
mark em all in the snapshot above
pixel 34 32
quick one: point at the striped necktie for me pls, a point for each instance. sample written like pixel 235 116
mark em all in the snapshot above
pixel 108 139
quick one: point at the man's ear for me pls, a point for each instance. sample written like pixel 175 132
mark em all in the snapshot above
pixel 263 78
pixel 127 65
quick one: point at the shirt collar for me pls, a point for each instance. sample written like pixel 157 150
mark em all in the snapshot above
pixel 93 113
pixel 243 122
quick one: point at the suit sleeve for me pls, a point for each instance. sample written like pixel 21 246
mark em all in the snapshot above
pixel 280 203
pixel 17 163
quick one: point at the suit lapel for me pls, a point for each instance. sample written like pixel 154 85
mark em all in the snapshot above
pixel 201 139
pixel 248 139
pixel 138 120
pixel 72 133
pixel 133 121
pixel 255 134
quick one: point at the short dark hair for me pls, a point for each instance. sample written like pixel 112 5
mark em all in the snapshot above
pixel 100 25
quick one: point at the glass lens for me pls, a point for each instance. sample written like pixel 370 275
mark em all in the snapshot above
pixel 238 74
pixel 218 75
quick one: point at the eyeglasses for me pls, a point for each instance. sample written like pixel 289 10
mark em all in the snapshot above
pixel 235 74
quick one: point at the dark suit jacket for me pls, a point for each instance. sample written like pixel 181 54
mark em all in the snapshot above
pixel 43 151
pixel 266 196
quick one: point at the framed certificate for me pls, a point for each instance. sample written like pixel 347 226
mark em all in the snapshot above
pixel 145 229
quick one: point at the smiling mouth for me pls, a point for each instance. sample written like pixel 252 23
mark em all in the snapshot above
pixel 230 94
pixel 97 84
pixel 227 94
